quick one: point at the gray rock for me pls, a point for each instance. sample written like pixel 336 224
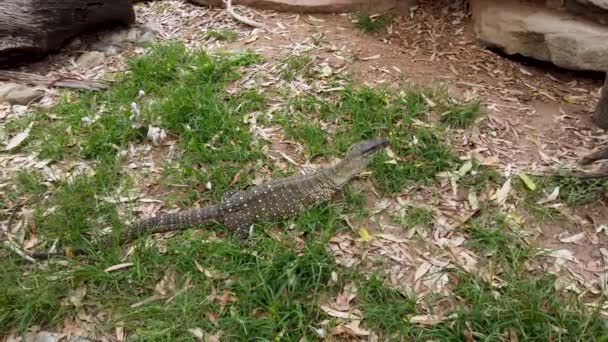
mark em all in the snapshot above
pixel 90 59
pixel 6 88
pixel 132 35
pixel 596 10
pixel 603 4
pixel 150 27
pixel 115 37
pixel 550 35
pixel 46 336
pixel 18 94
pixel 147 37
pixel 107 48
pixel 75 44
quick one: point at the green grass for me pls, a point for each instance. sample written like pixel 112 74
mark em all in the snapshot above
pixel 384 308
pixel 223 35
pixel 528 308
pixel 366 112
pixel 417 217
pixel 460 115
pixel 294 66
pixel 573 192
pixel 516 301
pixel 371 22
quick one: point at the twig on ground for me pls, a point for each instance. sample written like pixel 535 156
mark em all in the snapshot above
pixel 62 82
pixel 594 156
pixel 11 245
pixel 239 17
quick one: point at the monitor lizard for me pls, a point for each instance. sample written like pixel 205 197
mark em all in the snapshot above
pixel 271 201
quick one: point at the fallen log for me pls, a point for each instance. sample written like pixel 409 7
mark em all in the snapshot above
pixel 30 29
pixel 50 81
pixel 594 156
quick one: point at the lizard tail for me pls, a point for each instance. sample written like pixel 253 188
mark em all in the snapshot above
pixel 160 224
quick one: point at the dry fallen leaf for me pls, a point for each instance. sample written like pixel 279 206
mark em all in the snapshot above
pixel 503 192
pixel 210 273
pixel 390 237
pixel 18 138
pixel 166 283
pixel 427 319
pixel 118 267
pixel 552 196
pixel 351 329
pixel 563 254
pixel 573 238
pixel 364 235
pixel 527 180
pixel 339 314
pixel 369 58
pixel 422 270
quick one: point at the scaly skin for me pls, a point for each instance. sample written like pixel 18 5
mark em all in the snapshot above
pixel 271 201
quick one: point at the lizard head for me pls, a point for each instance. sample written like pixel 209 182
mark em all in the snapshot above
pixel 357 158
pixel 366 148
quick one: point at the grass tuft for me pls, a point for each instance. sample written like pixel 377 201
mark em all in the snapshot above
pixel 294 66
pixel 371 23
pixel 461 115
pixel 223 35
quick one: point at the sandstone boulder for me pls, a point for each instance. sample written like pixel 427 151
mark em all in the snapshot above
pixel 596 10
pixel 542 33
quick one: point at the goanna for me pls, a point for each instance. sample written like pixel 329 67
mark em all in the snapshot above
pixel 271 201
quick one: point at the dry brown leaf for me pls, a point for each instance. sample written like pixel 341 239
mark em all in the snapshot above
pixel 339 314
pixel 120 333
pixel 118 267
pixel 77 296
pixel 427 319
pixel 573 238
pixel 390 237
pixel 351 329
pixel 166 283
pixel 343 299
pixel 503 192
pixel 251 39
pixel 19 138
pixel 145 301
pixel 551 197
pixel 422 270
pixel 563 254
pixel 369 58
pixel 210 273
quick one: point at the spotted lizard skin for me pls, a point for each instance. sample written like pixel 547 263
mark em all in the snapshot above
pixel 269 202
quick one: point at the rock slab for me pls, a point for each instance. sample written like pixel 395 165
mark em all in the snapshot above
pixel 18 94
pixel 30 29
pixel 564 39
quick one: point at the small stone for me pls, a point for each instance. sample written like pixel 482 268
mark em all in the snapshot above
pixel 75 44
pixel 115 37
pixel 336 63
pixel 7 88
pixel 18 94
pixel 133 35
pixel 150 27
pixel 147 37
pixel 107 48
pixel 19 110
pixel 90 59
pixel 45 336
